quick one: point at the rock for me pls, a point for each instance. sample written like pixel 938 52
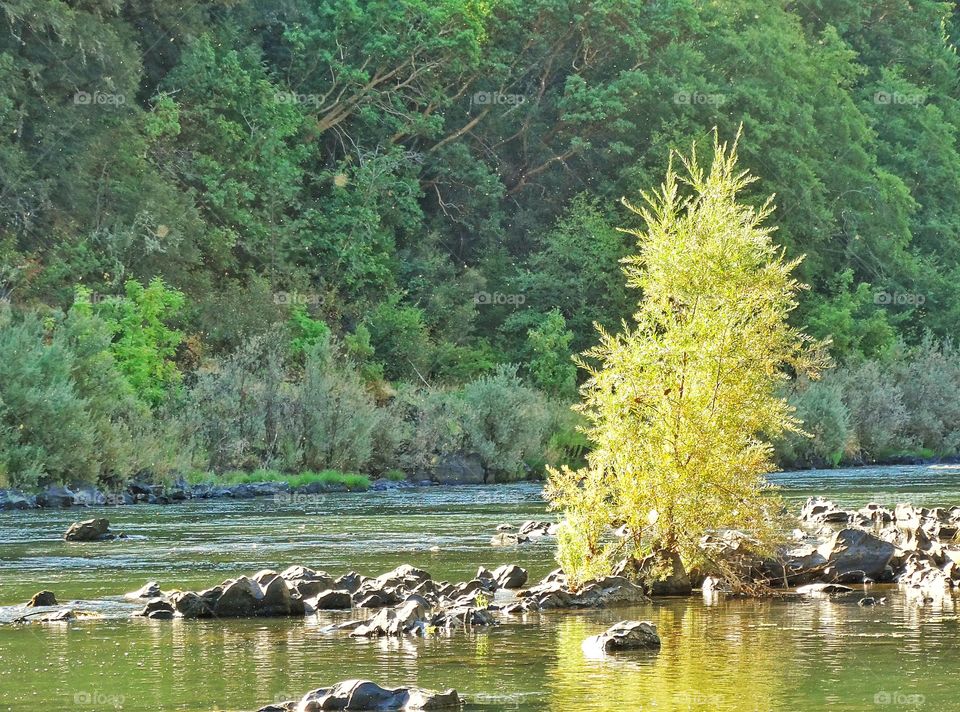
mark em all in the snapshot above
pixel 15 499
pixel 376 599
pixel 350 582
pixel 608 591
pixel 625 635
pixel 508 539
pixel 239 599
pixel 89 530
pixel 409 617
pixel 509 576
pixel 189 604
pixel 55 496
pixel 533 529
pixel 505 528
pixel 871 601
pixel 332 600
pixel 151 589
pixel 800 565
pixel 162 608
pixel 712 585
pixel 460 470
pixel 815 589
pixel 276 599
pixel 852 554
pixel 352 695
pixel 662 574
pixel 42 598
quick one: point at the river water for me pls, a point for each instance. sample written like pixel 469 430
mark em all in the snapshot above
pixel 725 655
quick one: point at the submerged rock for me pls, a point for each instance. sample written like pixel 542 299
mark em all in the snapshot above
pixel 625 635
pixel 89 530
pixel 151 589
pixel 815 589
pixel 508 539
pixel 366 696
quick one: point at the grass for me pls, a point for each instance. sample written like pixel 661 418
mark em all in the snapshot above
pixel 395 475
pixel 349 480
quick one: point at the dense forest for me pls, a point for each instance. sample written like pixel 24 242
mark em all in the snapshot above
pixel 367 236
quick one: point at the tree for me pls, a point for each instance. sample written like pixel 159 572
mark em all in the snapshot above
pixel 682 404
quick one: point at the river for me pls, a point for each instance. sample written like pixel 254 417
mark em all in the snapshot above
pixel 728 655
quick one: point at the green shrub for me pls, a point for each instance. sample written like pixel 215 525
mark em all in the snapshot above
pixel 826 422
pixel 505 422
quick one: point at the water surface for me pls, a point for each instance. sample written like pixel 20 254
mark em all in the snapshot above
pixel 722 655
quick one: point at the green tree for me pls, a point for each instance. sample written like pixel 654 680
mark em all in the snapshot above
pixel 143 344
pixel 552 367
pixel 681 405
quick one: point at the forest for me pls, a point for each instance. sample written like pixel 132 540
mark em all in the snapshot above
pixel 367 236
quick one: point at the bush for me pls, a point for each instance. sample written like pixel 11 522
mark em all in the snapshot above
pixel 240 412
pixel 826 422
pixel 339 415
pixel 47 432
pixel 877 414
pixel 929 378
pixel 505 422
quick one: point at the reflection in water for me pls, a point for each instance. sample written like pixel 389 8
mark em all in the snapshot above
pixel 718 655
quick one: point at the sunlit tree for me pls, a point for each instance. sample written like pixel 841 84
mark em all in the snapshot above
pixel 681 405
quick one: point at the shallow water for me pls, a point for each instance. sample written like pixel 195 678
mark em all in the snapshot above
pixel 728 655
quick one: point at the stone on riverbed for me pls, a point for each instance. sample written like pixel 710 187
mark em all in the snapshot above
pixel 42 598
pixel 366 696
pixel 331 600
pixel 608 591
pixel 625 635
pixel 89 530
pixel 508 539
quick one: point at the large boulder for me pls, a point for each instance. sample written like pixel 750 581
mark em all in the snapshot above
pixel 365 696
pixel 332 600
pixel 625 635
pixel 855 554
pixel 89 530
pixel 460 470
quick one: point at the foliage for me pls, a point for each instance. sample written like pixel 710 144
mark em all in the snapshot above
pixel 680 404
pixel 551 365
pixel 504 422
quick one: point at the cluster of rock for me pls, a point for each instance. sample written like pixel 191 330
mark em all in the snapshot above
pixel 554 592
pixel 62 497
pixel 914 546
pixel 531 530
pixel 366 696
pixel 412 599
